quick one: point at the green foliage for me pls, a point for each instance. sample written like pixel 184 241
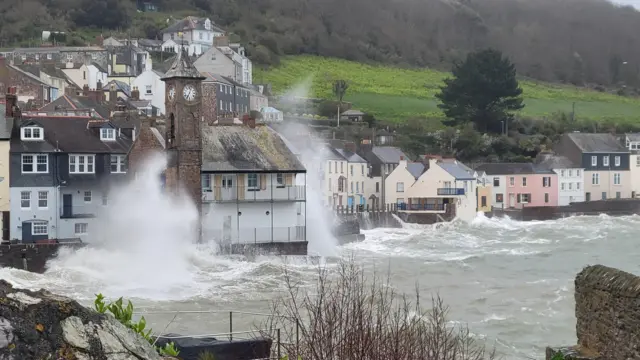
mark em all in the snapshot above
pixel 484 91
pixel 397 94
pixel 558 356
pixel 124 314
pixel 206 355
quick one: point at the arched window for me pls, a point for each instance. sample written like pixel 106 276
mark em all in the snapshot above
pixel 172 127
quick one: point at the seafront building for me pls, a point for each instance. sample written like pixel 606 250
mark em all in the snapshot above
pixel 570 177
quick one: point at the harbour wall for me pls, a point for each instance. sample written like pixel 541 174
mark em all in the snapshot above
pixel 30 257
pixel 613 207
pixel 607 316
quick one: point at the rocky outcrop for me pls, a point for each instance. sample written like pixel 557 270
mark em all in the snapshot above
pixel 41 325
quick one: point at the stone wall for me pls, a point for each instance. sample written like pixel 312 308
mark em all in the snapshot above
pixel 30 257
pixel 614 207
pixel 607 315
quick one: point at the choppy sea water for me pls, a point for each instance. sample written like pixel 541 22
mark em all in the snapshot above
pixel 512 282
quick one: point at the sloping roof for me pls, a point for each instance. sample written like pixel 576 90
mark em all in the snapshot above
pixel 37 69
pixel 77 102
pixel 191 23
pixel 456 169
pixel 415 169
pixel 353 113
pixel 120 86
pixel 269 109
pixel 349 155
pixel 209 76
pixel 97 66
pixel 149 42
pixel 240 148
pixel 551 162
pixel 389 154
pixel 182 67
pixel 509 168
pixel 597 142
pixel 69 135
pixel 29 75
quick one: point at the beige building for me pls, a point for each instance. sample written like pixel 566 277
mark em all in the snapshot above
pixel 78 74
pixel 400 180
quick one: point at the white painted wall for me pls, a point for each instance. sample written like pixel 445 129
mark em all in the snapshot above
pixel 333 170
pixel 370 189
pixel 96 75
pixel 356 182
pixel 606 184
pixel 399 175
pixel 634 167
pixel 150 80
pixel 570 185
pixel 18 214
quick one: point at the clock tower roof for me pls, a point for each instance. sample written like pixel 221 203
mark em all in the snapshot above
pixel 182 68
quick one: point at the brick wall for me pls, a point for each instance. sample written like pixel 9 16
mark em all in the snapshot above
pixel 145 145
pixel 607 315
pixel 209 103
pixel 27 88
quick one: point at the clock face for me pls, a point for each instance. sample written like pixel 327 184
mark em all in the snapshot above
pixel 172 93
pixel 189 93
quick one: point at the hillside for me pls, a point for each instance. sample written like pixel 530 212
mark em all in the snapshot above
pixel 395 94
pixel 566 41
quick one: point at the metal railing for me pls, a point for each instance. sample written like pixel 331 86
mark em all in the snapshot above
pixel 257 235
pixel 422 207
pixel 78 211
pixel 451 191
pixel 243 193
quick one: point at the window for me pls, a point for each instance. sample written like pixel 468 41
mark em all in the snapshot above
pixel 200 35
pixel 351 169
pixel 525 198
pixel 594 161
pixel 81 228
pixel 280 180
pixel 118 164
pixel 617 194
pixel 108 134
pixel 81 164
pixel 512 181
pixel 616 179
pixel 595 179
pixel 562 186
pixel 357 187
pixel 329 184
pixel 220 103
pixel 483 201
pixel 32 133
pixel 362 170
pixel 496 181
pixel 105 199
pixel 605 161
pixel 221 88
pixel 546 181
pixel 39 228
pixel 69 57
pixel 499 198
pixel 87 196
pixel 377 186
pixel 578 186
pixel 577 172
pixel 351 186
pixel 43 199
pixel 341 167
pixel 570 186
pixel 400 187
pixel 570 173
pixel 546 198
pixel 335 166
pixel 252 181
pixel 39 166
pixel 206 181
pixel 48 56
pixel 604 195
pixel 227 181
pixel 561 172
pixel 637 161
pixel 587 196
pixel 148 90
pixel 329 168
pixel 25 199
pixel 524 181
pixel 616 160
pixel 400 201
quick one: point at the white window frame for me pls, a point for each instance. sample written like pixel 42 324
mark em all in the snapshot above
pixel 562 186
pixel 87 195
pixel 31 133
pixel 24 198
pixel 206 182
pixel 256 186
pixel 108 134
pixel 43 198
pixel 616 179
pixel 524 181
pixel 400 187
pixel 87 161
pixel 512 181
pixel 616 160
pixel 595 179
pixel 49 56
pixel 81 228
pixel 522 201
pixel 280 180
pixel 119 164
pixel 594 161
pixel 41 225
pixel 577 172
pixel 36 162
pixel 149 90
pixel 605 160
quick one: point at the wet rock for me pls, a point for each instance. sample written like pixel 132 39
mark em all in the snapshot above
pixel 40 325
pixel 571 353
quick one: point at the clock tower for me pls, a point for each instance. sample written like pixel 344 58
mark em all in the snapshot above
pixel 183 137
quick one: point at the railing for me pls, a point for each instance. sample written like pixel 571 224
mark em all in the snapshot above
pixel 421 207
pixel 450 191
pixel 257 235
pixel 365 208
pixel 78 211
pixel 243 193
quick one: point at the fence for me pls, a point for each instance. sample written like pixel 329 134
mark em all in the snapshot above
pixel 422 207
pixel 355 209
pixel 243 193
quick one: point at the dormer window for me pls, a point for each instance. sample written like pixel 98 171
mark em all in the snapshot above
pixel 207 24
pixel 108 134
pixel 32 133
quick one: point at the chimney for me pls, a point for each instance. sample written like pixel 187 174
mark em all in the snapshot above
pixel 99 86
pixel 135 93
pixel 85 90
pixel 11 102
pixel 221 41
pixel 249 121
pixel 350 145
pixel 403 162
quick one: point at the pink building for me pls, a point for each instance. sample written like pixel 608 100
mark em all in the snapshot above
pixel 518 185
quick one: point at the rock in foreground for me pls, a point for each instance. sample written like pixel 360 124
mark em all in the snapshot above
pixel 41 325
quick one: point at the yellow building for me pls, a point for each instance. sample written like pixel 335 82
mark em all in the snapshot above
pixel 483 192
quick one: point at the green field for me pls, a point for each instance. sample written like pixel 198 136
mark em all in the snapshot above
pixel 395 94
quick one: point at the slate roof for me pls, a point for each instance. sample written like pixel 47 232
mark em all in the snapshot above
pixel 633 136
pixel 29 75
pixel 511 169
pixel 69 135
pixel 191 23
pixel 456 169
pixel 388 154
pixel 77 102
pixel 243 149
pixel 209 76
pixel 349 156
pixel 120 86
pixel 416 169
pixel 589 143
pixel 551 162
pixel 353 113
pixel 182 67
pixel 100 68
pixel 49 70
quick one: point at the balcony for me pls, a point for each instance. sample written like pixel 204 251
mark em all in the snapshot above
pixel 258 235
pixel 450 191
pixel 78 211
pixel 220 194
pixel 422 207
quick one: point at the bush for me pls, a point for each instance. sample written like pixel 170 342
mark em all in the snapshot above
pixel 349 317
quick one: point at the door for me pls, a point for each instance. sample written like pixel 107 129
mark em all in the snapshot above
pixel 588 196
pixel 67 205
pixel 26 232
pixel 350 201
pixel 6 225
pixel 512 200
pixel 226 229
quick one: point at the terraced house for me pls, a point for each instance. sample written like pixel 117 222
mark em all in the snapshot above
pixel 61 172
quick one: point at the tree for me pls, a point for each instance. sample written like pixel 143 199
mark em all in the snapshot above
pixel 339 90
pixel 484 90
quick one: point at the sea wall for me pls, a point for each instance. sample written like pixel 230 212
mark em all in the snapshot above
pixel 613 207
pixel 31 257
pixel 607 316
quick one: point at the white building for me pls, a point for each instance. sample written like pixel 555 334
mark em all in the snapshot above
pixel 151 87
pixel 229 60
pixel 97 76
pixel 334 178
pixel 197 33
pixel 401 178
pixel 570 177
pixel 252 191
pixel 632 142
pixel 271 115
pixel 355 176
